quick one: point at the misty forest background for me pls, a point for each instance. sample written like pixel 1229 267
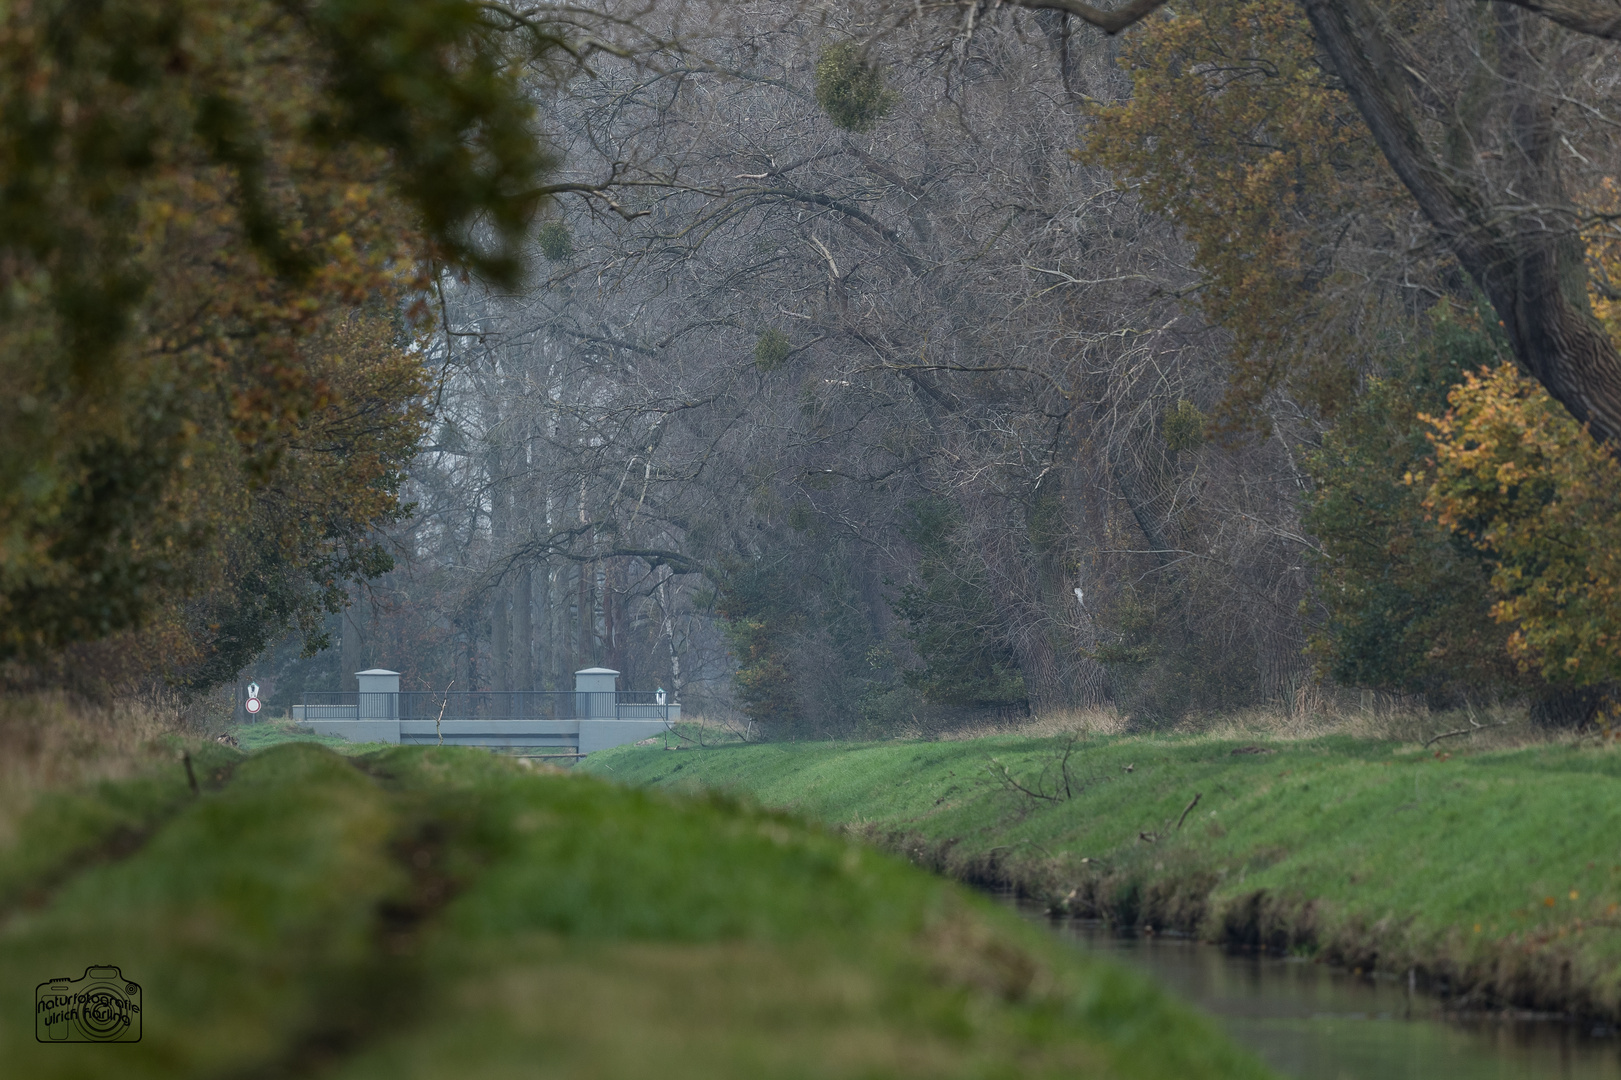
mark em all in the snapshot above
pixel 854 371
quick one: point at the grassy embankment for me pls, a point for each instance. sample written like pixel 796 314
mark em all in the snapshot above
pixel 1495 873
pixel 427 912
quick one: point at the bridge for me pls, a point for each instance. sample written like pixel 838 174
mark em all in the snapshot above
pixel 595 715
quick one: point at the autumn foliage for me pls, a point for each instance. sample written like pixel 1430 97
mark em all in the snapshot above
pixel 1514 475
pixel 1517 476
pixel 1236 133
pixel 214 220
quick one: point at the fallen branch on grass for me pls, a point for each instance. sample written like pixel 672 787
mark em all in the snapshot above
pixel 1065 785
pixel 1063 764
pixel 1474 726
pixel 1188 809
pixel 1001 772
pixel 1156 837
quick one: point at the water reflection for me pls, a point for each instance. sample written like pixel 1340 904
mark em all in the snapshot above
pixel 1313 1023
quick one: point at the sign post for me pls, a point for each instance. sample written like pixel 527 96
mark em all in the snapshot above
pixel 253 705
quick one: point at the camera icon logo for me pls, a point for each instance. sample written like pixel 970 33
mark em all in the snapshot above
pixel 99 1006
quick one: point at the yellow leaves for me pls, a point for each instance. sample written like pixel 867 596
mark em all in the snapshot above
pixel 1602 236
pixel 1518 477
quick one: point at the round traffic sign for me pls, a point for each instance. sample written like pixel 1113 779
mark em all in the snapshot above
pixel 253 705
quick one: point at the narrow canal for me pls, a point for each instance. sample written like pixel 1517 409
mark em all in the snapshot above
pixel 1310 1022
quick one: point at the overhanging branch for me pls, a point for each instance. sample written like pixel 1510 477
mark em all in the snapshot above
pixel 1110 22
pixel 1597 18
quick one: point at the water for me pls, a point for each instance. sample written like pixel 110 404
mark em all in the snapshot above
pixel 1311 1022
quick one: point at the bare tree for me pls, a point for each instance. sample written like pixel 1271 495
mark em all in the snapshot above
pixel 757 363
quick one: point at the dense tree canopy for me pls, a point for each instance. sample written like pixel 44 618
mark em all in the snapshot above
pixel 1464 104
pixel 871 368
pixel 1235 131
pixel 212 215
pixel 1241 129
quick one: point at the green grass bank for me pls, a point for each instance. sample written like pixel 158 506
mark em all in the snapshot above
pixel 436 912
pixel 1494 875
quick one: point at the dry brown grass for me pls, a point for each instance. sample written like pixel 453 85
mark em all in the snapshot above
pixel 1314 713
pixel 52 740
pixel 1382 716
pixel 1100 720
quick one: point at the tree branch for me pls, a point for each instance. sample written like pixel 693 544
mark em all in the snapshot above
pixel 1533 273
pixel 1001 772
pixel 1597 18
pixel 1110 22
pixel 1188 809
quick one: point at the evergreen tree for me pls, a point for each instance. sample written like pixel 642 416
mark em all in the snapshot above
pixel 1407 601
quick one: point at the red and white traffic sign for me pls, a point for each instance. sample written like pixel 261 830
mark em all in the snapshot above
pixel 253 705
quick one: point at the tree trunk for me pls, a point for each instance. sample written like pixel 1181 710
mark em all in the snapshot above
pixel 555 605
pixel 1530 264
pixel 610 628
pixel 349 648
pixel 523 631
pixel 585 624
pixel 668 628
pixel 500 641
